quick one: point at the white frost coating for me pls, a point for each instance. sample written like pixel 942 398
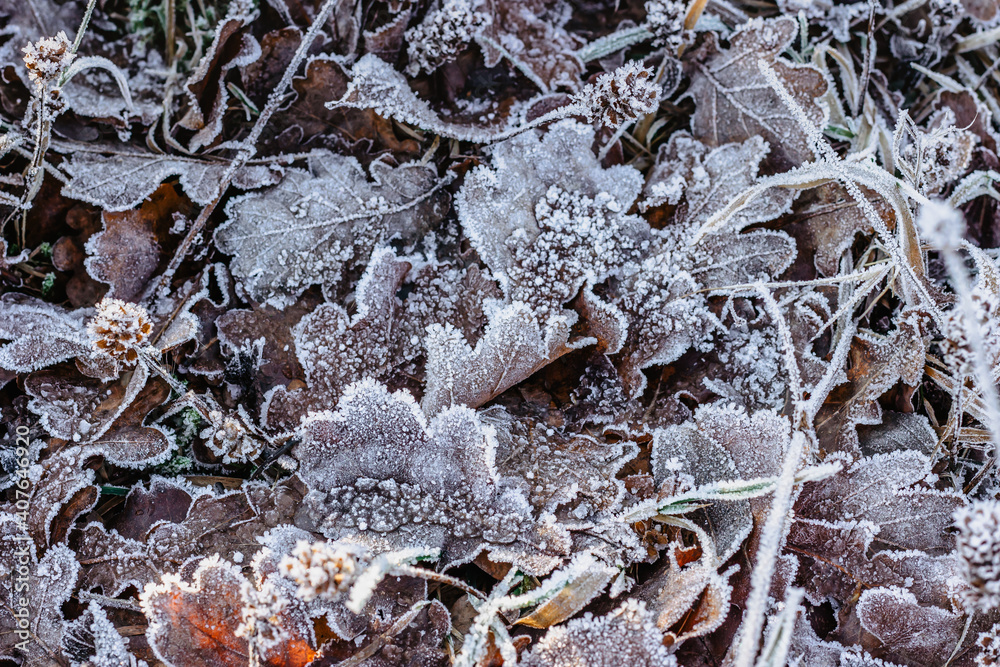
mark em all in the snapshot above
pixel 546 218
pixel 979 551
pixel 513 347
pixel 379 473
pixel 626 636
pixel 40 334
pixel 315 224
pixel 119 182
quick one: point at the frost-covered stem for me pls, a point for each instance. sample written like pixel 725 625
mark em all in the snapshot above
pixel 614 42
pixel 788 348
pixel 826 154
pixel 437 577
pixel 249 146
pixel 79 36
pixel 767 554
pixel 984 375
pixel 519 64
pixel 373 647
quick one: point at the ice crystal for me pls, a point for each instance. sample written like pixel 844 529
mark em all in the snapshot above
pixel 979 550
pixel 121 330
pixel 442 35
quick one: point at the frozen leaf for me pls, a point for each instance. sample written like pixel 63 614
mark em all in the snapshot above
pixel 317 224
pixel 49 584
pixel 197 623
pixel 877 363
pixel 512 348
pixel 547 218
pixel 226 524
pixel 233 46
pixel 734 101
pixel 628 635
pixel 693 592
pixel 664 318
pixel 93 639
pixel 336 349
pixel 442 35
pixel 590 577
pixel 917 633
pixel 571 472
pixel 531 34
pixel 40 334
pixel 124 255
pixel 839 554
pixel 699 180
pixel 398 481
pixel 888 491
pixel 62 490
pixel 899 431
pixel 126 179
pixel 376 85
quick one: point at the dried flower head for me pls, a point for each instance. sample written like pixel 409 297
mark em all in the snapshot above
pixel 979 551
pixel 259 621
pixel 47 58
pixel 323 570
pixel 621 96
pixel 228 437
pixel 122 330
pixel 989 643
pixel 442 35
pixel 665 19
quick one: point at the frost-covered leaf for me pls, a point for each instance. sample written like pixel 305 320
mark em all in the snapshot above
pixel 734 101
pixel 377 85
pixel 559 470
pixel 197 623
pixel 532 36
pixel 93 639
pixel 917 633
pixel 887 490
pixel 82 409
pixel 699 180
pixel 48 584
pixel 315 225
pixel 511 349
pixel 628 635
pixel 40 334
pixel 661 318
pixel 124 255
pixel 215 523
pixel 233 46
pixel 877 363
pixel 62 490
pixel 722 443
pixel 126 179
pixel 546 218
pixel 397 481
pixel 336 349
pixel 695 592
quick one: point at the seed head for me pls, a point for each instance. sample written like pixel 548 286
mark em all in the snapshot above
pixel 47 58
pixel 621 96
pixel 122 330
pixel 323 570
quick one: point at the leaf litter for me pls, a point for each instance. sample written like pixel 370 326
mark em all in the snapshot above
pixel 529 332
